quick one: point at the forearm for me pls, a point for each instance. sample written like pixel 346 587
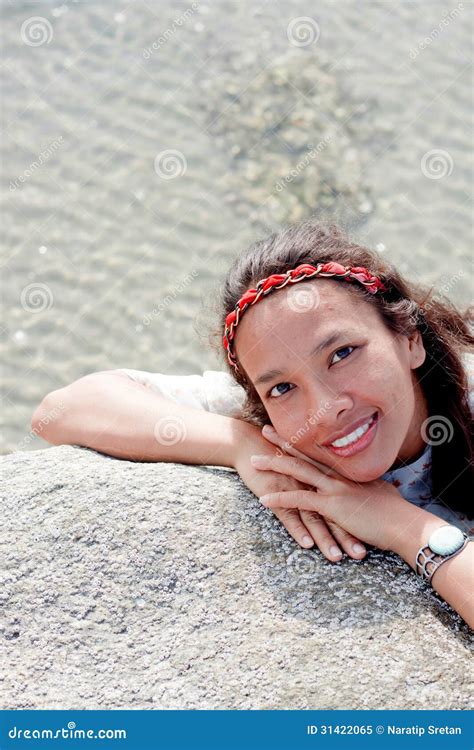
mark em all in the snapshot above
pixel 127 420
pixel 454 578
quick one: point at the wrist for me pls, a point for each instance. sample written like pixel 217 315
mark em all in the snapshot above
pixel 413 529
pixel 243 436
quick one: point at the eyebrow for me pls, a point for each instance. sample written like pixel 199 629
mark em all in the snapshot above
pixel 267 376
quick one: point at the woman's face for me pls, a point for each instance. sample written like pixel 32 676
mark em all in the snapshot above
pixel 318 396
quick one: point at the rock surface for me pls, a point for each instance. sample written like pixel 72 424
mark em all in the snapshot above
pixel 141 585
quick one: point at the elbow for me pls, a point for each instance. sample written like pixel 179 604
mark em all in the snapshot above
pixel 46 417
pixel 67 415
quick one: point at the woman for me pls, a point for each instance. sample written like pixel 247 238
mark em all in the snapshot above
pixel 361 374
pixel 364 409
pixel 363 383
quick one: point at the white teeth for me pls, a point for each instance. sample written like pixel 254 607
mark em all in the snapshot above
pixel 353 436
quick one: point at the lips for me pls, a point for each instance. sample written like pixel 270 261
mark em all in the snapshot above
pixel 361 444
pixel 347 430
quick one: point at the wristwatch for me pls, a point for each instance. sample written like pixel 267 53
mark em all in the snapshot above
pixel 444 543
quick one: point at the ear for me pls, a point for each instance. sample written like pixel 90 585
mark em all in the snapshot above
pixel 416 350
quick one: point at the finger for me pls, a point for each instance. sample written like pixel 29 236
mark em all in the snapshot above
pixel 347 541
pixel 321 534
pixel 295 467
pixel 273 437
pixel 301 499
pixel 292 522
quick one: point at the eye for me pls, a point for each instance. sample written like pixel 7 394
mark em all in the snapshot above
pixel 344 350
pixel 269 394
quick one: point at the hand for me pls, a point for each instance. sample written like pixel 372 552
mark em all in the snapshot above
pixel 305 526
pixel 365 509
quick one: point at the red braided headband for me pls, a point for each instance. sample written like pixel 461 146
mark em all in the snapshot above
pixel 279 280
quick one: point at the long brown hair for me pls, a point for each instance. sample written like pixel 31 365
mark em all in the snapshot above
pixel 404 307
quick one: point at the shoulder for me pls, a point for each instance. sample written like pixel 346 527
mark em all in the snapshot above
pixel 224 395
pixel 214 390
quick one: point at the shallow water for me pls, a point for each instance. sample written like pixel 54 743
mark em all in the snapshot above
pixel 96 231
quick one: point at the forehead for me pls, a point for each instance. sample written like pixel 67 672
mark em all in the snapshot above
pixel 283 327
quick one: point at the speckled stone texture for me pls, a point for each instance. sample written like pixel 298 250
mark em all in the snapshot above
pixel 148 585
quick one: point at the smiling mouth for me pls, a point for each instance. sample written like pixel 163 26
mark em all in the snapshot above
pixel 356 441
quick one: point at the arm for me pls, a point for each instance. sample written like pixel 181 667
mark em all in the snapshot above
pixel 378 514
pixel 111 413
pixel 454 579
pixel 119 414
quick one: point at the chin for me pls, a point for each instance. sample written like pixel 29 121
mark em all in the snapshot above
pixel 364 473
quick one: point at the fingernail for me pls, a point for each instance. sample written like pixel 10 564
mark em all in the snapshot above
pixel 307 541
pixel 268 429
pixel 335 551
pixel 358 548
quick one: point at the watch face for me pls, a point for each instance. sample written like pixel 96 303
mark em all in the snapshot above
pixel 446 540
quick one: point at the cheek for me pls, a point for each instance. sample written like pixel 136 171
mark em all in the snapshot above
pixel 385 376
pixel 378 379
pixel 389 387
pixel 285 426
pixel 289 427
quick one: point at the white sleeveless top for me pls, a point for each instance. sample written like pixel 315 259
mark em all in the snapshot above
pixel 217 392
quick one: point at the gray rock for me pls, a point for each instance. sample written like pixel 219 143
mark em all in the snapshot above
pixel 157 585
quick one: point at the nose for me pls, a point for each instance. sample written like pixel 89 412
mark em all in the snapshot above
pixel 326 409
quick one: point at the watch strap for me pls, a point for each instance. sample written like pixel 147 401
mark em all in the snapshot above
pixel 428 562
